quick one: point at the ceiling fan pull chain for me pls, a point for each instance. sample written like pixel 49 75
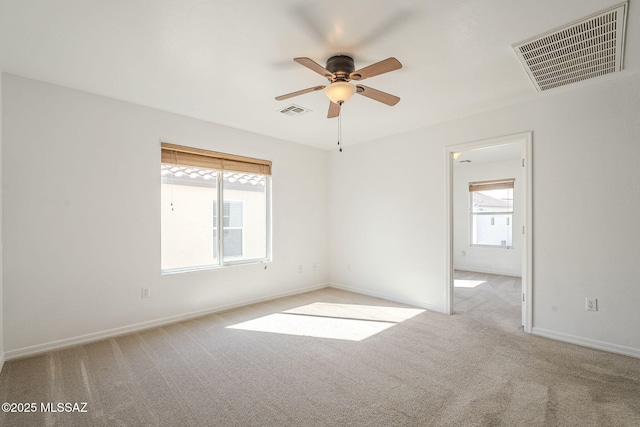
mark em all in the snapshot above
pixel 340 127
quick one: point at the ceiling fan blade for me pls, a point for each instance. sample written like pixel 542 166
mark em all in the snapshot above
pixel 334 110
pixel 389 64
pixel 378 95
pixel 300 92
pixel 314 66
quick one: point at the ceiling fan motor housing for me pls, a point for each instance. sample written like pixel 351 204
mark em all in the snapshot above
pixel 341 66
pixel 340 71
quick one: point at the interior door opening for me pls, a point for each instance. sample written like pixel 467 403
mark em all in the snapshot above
pixel 489 225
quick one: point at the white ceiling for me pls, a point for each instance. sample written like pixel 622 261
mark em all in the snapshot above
pixel 224 61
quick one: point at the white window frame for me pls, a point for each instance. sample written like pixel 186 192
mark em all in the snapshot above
pixel 506 214
pixel 220 213
pixel 228 162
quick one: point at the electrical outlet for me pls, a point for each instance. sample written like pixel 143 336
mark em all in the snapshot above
pixel 146 292
pixel 592 304
pixel 315 267
pixel 300 268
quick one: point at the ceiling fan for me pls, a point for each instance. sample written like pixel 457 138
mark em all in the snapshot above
pixel 340 71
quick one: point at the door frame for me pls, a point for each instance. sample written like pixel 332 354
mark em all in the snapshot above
pixel 526 139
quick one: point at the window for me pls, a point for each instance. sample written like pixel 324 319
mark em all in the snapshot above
pixel 491 212
pixel 232 222
pixel 203 192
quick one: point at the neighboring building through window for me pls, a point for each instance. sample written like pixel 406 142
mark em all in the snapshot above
pixel 197 201
pixel 232 222
pixel 491 212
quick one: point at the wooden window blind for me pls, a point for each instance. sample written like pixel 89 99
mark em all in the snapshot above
pixel 187 156
pixel 498 184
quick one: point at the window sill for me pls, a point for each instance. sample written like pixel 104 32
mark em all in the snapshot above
pixel 215 267
pixel 491 246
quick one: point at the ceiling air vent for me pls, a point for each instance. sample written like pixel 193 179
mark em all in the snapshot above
pixel 588 48
pixel 294 110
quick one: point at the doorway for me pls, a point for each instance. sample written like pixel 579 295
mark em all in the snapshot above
pixel 517 147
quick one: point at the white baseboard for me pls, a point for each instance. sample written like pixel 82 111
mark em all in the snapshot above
pixel 430 307
pixel 96 336
pixel 500 273
pixel 586 342
pixel 1 361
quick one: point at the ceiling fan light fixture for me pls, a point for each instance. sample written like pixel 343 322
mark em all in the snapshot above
pixel 339 92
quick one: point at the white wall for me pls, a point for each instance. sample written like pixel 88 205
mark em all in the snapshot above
pixel 478 258
pixel 82 217
pixel 1 249
pixel 387 219
pixel 387 214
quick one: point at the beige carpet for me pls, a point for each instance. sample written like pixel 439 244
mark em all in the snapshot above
pixel 370 363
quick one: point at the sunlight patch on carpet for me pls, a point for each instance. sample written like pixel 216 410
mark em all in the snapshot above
pixel 328 320
pixel 464 283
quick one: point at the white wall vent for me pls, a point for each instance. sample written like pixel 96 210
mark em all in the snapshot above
pixel 591 47
pixel 294 110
